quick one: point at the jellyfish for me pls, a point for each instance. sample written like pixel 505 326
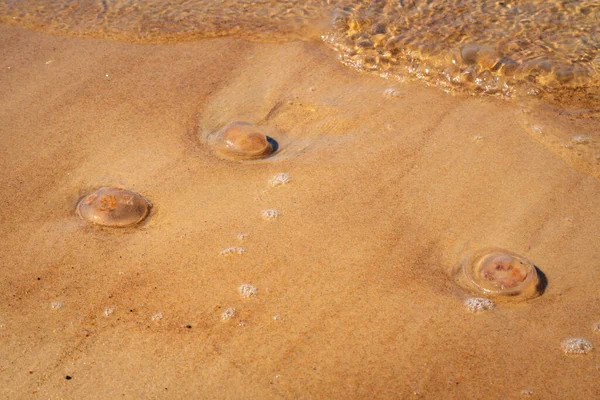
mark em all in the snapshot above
pixel 115 207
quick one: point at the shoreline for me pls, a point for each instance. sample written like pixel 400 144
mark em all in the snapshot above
pixel 387 194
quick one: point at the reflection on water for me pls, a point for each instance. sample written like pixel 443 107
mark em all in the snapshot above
pixel 161 21
pixel 505 47
pixel 499 47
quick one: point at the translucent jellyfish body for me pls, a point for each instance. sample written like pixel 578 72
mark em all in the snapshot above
pixel 111 206
pixel 242 141
pixel 499 273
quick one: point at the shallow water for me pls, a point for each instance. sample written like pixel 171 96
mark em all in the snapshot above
pixel 510 48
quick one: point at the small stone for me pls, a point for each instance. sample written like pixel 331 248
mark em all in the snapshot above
pixel 576 346
pixel 479 304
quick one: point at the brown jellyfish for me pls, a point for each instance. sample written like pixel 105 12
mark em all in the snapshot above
pixel 243 141
pixel 498 272
pixel 111 206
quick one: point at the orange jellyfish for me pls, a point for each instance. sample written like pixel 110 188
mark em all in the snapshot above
pixel 111 206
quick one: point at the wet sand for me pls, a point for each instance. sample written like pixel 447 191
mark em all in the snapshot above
pixel 355 300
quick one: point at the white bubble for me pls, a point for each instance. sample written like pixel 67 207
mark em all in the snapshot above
pixel 479 304
pixel 241 236
pixel 56 305
pixel 246 290
pixel 537 129
pixel 280 179
pixel 157 317
pixel 108 311
pixel 391 92
pixel 576 346
pixel 233 250
pixel 596 327
pixel 581 139
pixel 228 314
pixel 478 138
pixel 527 392
pixel 270 215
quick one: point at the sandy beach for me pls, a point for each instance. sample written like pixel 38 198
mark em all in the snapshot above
pixel 391 186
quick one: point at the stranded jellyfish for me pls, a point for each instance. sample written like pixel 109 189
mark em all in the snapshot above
pixel 497 272
pixel 243 141
pixel 111 206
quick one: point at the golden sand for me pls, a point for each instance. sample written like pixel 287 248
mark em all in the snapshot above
pixel 354 297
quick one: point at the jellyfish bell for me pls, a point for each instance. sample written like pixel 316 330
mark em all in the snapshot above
pixel 242 141
pixel 499 273
pixel 112 206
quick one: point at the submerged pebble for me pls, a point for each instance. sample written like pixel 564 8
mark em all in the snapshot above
pixel 479 304
pixel 576 346
pixel 112 206
pixel 242 141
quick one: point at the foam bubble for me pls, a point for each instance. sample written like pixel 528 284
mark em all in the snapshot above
pixel 232 250
pixel 596 327
pixel 579 139
pixel 479 304
pixel 576 346
pixel 228 314
pixel 108 311
pixel 391 93
pixel 56 305
pixel 270 215
pixel 280 179
pixel 157 317
pixel 246 290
